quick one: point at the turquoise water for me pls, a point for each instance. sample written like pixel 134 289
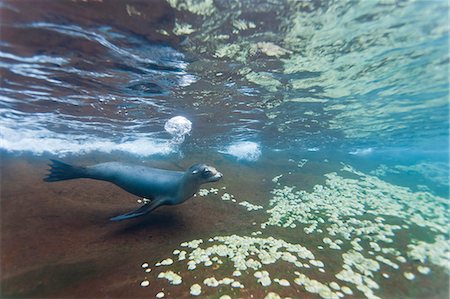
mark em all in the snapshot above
pixel 329 120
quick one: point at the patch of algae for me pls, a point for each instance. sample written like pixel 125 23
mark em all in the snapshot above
pixel 199 7
pixel 368 215
pixel 227 35
pixel 343 199
pixel 358 56
pixel 229 197
pixel 264 79
pixel 237 51
pixel 362 47
pixel 243 25
pixel 366 211
pixel 271 49
pixel 249 256
pixel 228 50
pixel 183 29
pixel 327 33
pixel 360 216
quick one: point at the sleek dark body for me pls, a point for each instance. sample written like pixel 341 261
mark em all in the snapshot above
pixel 161 187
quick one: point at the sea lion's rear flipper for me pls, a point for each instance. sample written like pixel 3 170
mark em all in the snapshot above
pixel 60 171
pixel 147 208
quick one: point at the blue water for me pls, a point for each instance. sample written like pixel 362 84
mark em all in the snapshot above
pixel 364 83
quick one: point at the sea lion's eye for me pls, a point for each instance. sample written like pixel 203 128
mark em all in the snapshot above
pixel 206 172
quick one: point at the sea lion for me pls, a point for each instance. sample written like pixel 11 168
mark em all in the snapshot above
pixel 160 186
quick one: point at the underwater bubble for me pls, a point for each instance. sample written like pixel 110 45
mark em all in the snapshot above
pixel 178 127
pixel 362 151
pixel 244 150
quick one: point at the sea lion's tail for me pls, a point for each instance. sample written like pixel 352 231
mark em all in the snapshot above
pixel 60 171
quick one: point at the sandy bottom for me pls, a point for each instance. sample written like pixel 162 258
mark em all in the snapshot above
pixel 57 241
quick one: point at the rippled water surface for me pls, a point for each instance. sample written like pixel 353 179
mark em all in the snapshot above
pixel 329 120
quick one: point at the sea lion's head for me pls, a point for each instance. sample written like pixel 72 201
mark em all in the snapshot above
pixel 204 173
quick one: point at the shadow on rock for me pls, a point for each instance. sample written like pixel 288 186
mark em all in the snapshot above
pixel 167 222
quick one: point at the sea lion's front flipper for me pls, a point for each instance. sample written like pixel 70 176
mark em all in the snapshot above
pixel 147 208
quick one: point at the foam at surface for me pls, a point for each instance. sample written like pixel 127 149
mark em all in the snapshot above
pixel 42 141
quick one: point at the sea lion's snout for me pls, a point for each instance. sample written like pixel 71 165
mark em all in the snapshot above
pixel 211 174
pixel 216 177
